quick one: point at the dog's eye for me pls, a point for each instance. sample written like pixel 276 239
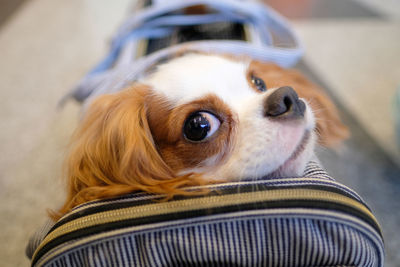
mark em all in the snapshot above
pixel 200 125
pixel 259 83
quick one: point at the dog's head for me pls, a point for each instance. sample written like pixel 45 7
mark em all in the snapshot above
pixel 194 119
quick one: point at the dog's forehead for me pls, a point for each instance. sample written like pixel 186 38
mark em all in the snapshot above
pixel 192 76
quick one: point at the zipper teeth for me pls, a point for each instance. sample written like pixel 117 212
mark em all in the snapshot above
pixel 207 202
pixel 277 182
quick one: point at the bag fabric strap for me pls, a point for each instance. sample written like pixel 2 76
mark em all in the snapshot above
pixel 272 41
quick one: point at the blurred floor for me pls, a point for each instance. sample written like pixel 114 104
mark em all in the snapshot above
pixel 8 8
pixel 46 46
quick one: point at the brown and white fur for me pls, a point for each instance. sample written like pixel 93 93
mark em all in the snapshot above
pixel 135 140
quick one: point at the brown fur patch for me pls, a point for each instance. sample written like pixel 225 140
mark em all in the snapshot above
pixel 167 122
pixel 329 126
pixel 113 153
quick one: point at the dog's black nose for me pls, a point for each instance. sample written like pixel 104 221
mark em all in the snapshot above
pixel 284 103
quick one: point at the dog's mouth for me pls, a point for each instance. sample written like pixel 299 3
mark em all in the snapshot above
pixel 282 169
pixel 300 147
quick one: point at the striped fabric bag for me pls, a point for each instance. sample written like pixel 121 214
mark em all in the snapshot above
pixel 305 221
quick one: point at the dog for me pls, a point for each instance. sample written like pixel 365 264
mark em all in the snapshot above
pixel 198 118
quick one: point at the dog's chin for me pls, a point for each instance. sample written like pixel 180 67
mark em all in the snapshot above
pixel 297 160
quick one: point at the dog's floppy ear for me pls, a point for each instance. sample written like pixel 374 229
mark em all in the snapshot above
pixel 330 129
pixel 113 153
